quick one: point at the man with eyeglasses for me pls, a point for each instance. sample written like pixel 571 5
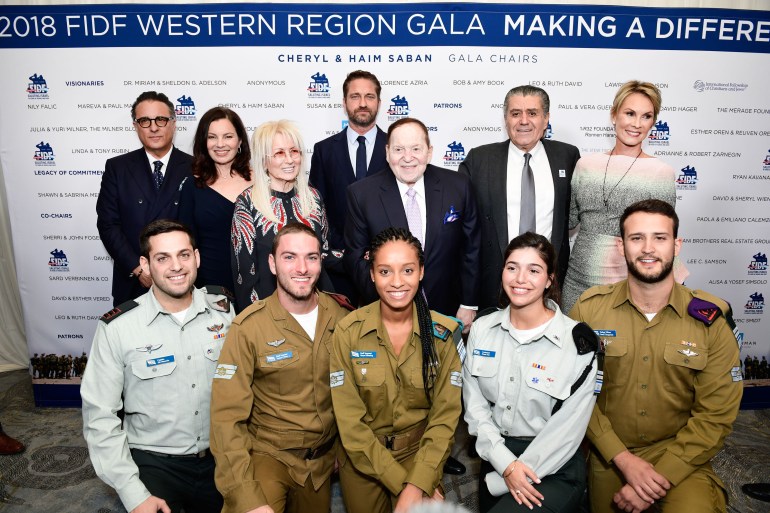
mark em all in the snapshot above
pixel 137 188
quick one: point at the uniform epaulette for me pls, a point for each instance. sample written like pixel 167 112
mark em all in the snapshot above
pixel 218 297
pixel 353 317
pixel 585 338
pixel 341 300
pixel 598 290
pixel 118 311
pixel 707 308
pixel 443 328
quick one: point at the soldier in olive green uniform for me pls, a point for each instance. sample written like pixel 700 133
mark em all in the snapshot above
pixel 393 433
pixel 672 378
pixel 272 425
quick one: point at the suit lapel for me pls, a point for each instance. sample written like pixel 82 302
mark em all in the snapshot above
pixel 497 180
pixel 434 204
pixel 141 173
pixel 171 179
pixel 379 149
pixel 392 204
pixel 342 156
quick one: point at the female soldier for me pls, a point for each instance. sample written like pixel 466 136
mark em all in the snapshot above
pixel 522 363
pixel 396 385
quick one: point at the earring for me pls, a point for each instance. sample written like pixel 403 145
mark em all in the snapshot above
pixel 239 148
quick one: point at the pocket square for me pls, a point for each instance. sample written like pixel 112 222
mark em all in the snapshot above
pixel 451 216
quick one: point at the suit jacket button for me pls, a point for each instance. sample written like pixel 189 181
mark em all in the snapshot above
pixel 141 201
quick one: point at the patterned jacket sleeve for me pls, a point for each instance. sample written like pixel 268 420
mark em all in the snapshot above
pixel 243 252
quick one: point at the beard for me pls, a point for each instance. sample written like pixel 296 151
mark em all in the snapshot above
pixel 294 291
pixel 668 267
pixel 362 118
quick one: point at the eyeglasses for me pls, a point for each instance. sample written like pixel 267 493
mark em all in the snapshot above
pixel 294 153
pixel 160 121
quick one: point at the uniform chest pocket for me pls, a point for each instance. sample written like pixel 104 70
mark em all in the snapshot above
pixel 211 351
pixel 617 363
pixel 485 369
pixel 370 380
pixel 683 363
pixel 415 390
pixel 155 383
pixel 153 367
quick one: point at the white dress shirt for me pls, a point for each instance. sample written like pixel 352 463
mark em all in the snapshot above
pixel 544 189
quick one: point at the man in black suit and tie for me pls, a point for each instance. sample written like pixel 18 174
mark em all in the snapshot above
pixel 350 155
pixel 139 187
pixel 437 206
pixel 521 184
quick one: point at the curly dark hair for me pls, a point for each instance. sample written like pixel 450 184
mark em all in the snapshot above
pixel 203 168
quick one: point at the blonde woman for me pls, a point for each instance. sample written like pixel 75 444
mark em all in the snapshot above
pixel 280 195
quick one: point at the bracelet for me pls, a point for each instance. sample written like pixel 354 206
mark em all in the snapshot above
pixel 510 470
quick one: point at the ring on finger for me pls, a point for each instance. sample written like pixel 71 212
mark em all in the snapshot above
pixel 517 492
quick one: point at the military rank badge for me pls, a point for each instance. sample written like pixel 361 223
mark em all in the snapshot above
pixel 225 371
pixel 336 378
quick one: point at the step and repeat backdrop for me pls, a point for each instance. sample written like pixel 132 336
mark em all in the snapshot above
pixel 70 74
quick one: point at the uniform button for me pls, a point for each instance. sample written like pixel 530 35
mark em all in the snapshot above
pixel 196 413
pixel 643 437
pixel 189 357
pixel 645 358
pixel 198 438
pixel 505 432
pixel 644 386
pixel 193 385
pixel 643 413
pixel 396 415
pixel 686 360
pixel 154 369
pixel 510 379
pixel 182 328
pixel 508 407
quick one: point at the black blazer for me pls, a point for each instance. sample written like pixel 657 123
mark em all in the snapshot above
pixel 331 172
pixel 127 202
pixel 487 168
pixel 452 247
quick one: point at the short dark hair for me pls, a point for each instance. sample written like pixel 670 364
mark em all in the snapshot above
pixel 203 167
pixel 288 229
pixel 158 227
pixel 650 206
pixel 546 252
pixel 153 97
pixel 529 90
pixel 406 121
pixel 355 75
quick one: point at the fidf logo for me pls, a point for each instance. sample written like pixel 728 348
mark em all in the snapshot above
pixel 687 179
pixel 548 131
pixel 319 87
pixel 758 266
pixel 755 304
pixel 399 108
pixel 58 262
pixel 37 88
pixel 455 154
pixel 660 134
pixel 44 155
pixel 766 162
pixel 185 109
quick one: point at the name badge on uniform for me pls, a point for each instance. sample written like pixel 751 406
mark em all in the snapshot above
pixel 606 333
pixel 484 353
pixel 363 354
pixel 152 362
pixel 272 358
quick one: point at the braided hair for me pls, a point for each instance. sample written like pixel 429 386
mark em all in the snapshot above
pixel 430 361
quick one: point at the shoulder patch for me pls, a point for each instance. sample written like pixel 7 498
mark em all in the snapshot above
pixel 585 338
pixel 118 311
pixel 341 300
pixel 218 297
pixel 704 311
pixel 440 331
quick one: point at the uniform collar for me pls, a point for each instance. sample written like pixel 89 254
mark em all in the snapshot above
pixel 373 320
pixel 153 309
pixel 553 332
pixel 278 312
pixel 677 300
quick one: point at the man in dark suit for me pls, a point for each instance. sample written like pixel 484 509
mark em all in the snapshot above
pixel 508 206
pixel 139 187
pixel 437 206
pixel 350 155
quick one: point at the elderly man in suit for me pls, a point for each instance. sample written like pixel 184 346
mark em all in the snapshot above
pixel 521 184
pixel 140 187
pixel 437 206
pixel 353 154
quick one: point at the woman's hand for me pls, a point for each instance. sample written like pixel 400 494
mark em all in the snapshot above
pixel 408 497
pixel 522 490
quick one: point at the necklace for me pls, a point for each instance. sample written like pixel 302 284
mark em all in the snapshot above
pixel 606 198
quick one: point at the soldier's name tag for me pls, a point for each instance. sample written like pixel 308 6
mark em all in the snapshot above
pixel 484 353
pixel 736 374
pixel 363 354
pixel 272 358
pixel 606 333
pixel 336 378
pixel 152 362
pixel 225 371
pixel 456 379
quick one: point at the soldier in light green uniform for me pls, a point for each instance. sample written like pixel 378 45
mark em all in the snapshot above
pixel 672 379
pixel 396 385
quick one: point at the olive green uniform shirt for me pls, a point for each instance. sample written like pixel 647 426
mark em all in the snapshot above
pixel 376 392
pixel 673 380
pixel 271 395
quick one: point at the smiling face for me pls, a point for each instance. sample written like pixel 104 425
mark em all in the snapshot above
pixel 525 278
pixel 408 153
pixel 297 266
pixel 525 121
pixel 634 120
pixel 173 266
pixel 649 246
pixel 157 141
pixel 222 142
pixel 396 272
pixel 284 162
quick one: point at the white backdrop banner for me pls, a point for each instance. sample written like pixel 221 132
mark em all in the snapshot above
pixel 70 74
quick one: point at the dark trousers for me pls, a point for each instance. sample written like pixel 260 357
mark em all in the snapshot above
pixel 184 483
pixel 563 490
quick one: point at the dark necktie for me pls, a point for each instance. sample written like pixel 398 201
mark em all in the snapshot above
pixel 527 214
pixel 157 176
pixel 361 158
